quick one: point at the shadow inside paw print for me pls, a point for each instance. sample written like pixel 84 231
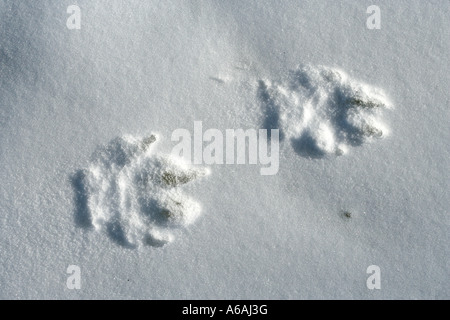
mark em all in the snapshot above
pixel 133 194
pixel 82 215
pixel 322 111
pixel 306 146
pixel 271 110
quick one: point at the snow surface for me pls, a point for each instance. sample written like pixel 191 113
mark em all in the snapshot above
pixel 138 67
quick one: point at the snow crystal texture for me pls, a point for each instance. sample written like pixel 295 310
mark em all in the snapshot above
pixel 136 66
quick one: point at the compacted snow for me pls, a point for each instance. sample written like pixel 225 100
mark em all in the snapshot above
pixel 89 179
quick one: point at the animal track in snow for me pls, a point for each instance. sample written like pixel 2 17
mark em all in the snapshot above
pixel 322 111
pixel 134 194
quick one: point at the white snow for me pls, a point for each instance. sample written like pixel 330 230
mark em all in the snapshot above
pixel 69 97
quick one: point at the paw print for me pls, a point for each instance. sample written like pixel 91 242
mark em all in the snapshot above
pixel 322 111
pixel 134 194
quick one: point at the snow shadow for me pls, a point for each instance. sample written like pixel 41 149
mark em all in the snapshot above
pixel 82 215
pixel 116 234
pixel 306 146
pixel 271 111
